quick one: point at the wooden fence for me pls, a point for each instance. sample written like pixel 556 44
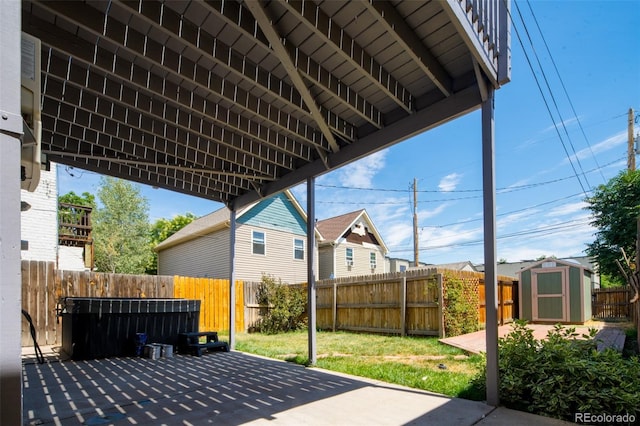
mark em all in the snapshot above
pixel 399 303
pixel 408 303
pixel 43 286
pixel 612 303
pixel 508 303
pixel 396 303
pixel 214 294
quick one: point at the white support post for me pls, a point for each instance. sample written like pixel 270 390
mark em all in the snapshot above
pixel 490 265
pixel 311 276
pixel 232 280
pixel 10 276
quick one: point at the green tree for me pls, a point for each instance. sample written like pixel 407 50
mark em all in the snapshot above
pixel 163 229
pixel 70 214
pixel 615 207
pixel 85 199
pixel 121 228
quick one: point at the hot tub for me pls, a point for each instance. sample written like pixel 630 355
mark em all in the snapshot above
pixel 107 327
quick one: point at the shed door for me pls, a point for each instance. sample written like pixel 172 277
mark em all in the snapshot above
pixel 550 290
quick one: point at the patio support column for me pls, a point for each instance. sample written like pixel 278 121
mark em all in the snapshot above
pixel 490 278
pixel 232 279
pixel 311 275
pixel 10 276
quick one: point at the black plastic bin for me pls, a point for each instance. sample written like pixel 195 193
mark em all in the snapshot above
pixel 106 327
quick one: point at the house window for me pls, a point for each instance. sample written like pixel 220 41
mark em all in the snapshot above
pixel 298 249
pixel 258 242
pixel 372 260
pixel 349 256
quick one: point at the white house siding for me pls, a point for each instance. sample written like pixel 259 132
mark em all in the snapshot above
pixel 71 258
pixel 39 224
pixel 206 256
pixel 326 260
pixel 278 260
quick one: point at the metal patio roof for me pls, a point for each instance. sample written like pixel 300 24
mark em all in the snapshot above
pixel 233 101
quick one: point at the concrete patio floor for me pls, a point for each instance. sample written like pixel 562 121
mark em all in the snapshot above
pixel 233 388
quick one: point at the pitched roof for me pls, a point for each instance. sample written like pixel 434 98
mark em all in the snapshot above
pixel 334 228
pixel 457 266
pixel 214 221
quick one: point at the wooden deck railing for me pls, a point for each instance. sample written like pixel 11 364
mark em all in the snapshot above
pixel 485 24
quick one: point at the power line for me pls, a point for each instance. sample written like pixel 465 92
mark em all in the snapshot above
pixel 535 77
pixel 538 232
pixel 505 189
pixel 544 40
pixel 505 213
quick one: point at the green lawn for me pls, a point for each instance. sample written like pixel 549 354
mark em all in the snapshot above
pixel 417 362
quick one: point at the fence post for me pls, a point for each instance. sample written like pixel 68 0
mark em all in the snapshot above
pixel 335 305
pixel 500 302
pixel 403 305
pixel 440 283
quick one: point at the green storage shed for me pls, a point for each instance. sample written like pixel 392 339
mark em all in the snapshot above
pixel 555 291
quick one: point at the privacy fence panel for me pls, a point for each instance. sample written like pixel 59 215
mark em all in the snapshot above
pixel 394 303
pixel 43 286
pixel 507 293
pixel 612 303
pixel 424 305
pixel 215 301
pixel 252 309
pixel 39 298
pixel 404 303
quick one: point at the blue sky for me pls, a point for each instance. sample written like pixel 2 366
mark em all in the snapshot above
pixel 595 48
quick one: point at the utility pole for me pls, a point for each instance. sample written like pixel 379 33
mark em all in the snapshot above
pixel 416 250
pixel 631 152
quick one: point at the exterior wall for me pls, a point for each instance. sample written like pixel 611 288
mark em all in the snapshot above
pixel 206 256
pixel 360 260
pixel 587 287
pixel 326 261
pixel 39 224
pixel 524 288
pixel 397 265
pixel 575 295
pixel 277 261
pixel 276 213
pixel 71 258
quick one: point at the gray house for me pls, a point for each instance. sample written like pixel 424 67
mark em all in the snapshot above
pixel 270 239
pixel 351 245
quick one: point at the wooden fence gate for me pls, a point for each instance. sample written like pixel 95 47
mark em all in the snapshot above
pixel 612 303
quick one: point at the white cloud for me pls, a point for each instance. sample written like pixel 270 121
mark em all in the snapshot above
pixel 426 214
pixel 398 236
pixel 603 146
pixel 566 123
pixel 568 209
pixel 449 182
pixel 361 173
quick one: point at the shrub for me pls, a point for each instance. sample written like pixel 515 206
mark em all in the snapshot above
pixel 562 375
pixel 284 306
pixel 460 311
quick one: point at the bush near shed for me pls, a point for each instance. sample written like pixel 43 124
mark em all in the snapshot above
pixel 563 375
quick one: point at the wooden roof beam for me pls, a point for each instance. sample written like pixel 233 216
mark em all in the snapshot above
pixel 259 13
pixel 397 28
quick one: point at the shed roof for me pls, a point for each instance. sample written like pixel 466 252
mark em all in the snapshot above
pixel 563 262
